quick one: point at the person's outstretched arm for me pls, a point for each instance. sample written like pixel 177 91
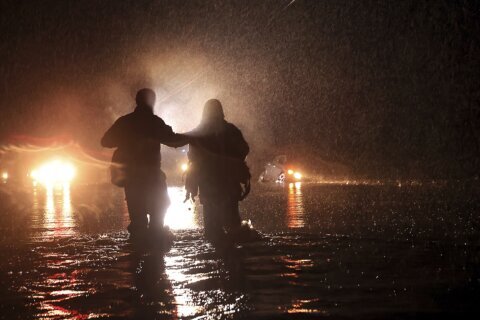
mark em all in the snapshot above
pixel 169 138
pixel 176 140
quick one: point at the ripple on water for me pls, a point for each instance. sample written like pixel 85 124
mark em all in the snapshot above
pixel 339 269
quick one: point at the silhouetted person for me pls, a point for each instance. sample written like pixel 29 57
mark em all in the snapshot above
pixel 136 164
pixel 218 172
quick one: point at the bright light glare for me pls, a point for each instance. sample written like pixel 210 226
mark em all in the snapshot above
pixel 54 172
pixel 180 214
pixel 290 171
pixel 297 175
pixel 184 167
pixel 5 175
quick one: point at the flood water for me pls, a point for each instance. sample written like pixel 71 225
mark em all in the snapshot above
pixel 336 251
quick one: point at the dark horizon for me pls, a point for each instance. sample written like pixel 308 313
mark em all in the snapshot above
pixel 386 89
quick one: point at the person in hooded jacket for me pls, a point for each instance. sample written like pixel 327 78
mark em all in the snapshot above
pixel 218 172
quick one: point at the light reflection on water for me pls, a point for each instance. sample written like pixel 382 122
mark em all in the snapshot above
pixel 54 213
pixel 179 265
pixel 296 211
pixel 185 304
pixel 77 275
pixel 53 210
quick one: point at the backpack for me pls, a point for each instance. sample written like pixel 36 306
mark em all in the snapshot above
pixel 118 174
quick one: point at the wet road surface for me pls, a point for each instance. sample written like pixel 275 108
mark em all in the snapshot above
pixel 329 251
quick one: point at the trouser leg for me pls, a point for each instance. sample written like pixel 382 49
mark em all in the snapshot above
pixel 158 205
pixel 212 219
pixel 232 215
pixel 136 208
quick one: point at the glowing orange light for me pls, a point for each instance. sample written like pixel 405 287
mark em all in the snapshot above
pixel 290 171
pixel 297 175
pixel 5 175
pixel 184 167
pixel 54 172
pixel 296 211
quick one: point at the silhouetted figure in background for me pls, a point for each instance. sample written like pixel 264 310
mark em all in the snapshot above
pixel 217 171
pixel 136 164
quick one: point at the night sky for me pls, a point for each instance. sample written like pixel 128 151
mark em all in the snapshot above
pixel 386 88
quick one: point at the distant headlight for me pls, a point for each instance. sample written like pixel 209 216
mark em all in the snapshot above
pixel 54 172
pixel 184 167
pixel 297 175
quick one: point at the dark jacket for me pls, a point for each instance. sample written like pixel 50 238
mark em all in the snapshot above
pixel 137 137
pixel 217 160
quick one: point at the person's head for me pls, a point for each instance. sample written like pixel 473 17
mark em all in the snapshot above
pixel 212 111
pixel 145 98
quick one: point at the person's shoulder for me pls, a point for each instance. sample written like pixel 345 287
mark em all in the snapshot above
pixel 233 128
pixel 129 115
pixel 124 118
pixel 159 120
